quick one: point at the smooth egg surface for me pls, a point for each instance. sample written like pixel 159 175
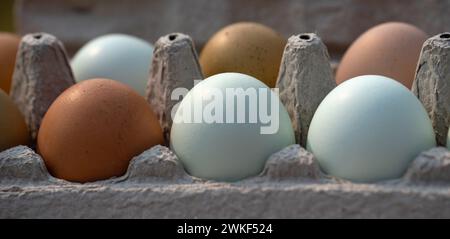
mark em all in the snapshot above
pixel 115 56
pixel 9 43
pixel 94 128
pixel 390 49
pixel 245 47
pixel 368 129
pixel 226 149
pixel 13 130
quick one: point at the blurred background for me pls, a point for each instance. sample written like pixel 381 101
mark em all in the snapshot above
pixel 7 16
pixel 338 22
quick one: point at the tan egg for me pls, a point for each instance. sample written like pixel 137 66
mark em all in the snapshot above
pixel 13 130
pixel 9 43
pixel 244 47
pixel 94 128
pixel 391 49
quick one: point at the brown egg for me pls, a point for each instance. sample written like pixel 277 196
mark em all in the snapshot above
pixel 13 130
pixel 94 128
pixel 245 47
pixel 390 49
pixel 9 43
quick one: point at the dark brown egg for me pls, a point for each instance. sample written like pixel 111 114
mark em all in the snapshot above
pixel 94 128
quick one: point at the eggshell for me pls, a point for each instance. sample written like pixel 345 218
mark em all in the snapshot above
pixel 115 56
pixel 245 47
pixel 227 151
pixel 94 128
pixel 390 49
pixel 13 130
pixel 9 43
pixel 369 128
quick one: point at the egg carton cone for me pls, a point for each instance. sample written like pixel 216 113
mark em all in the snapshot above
pixel 175 65
pixel 432 83
pixel 41 74
pixel 305 58
pixel 291 184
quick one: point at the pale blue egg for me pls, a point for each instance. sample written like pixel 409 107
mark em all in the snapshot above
pixel 224 148
pixel 115 56
pixel 369 128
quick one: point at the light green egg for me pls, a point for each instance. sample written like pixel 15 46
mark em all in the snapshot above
pixel 368 129
pixel 228 149
pixel 118 57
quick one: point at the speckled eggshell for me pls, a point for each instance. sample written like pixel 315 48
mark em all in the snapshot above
pixel 391 49
pixel 245 47
pixel 13 130
pixel 94 128
pixel 115 56
pixel 368 129
pixel 226 151
pixel 9 43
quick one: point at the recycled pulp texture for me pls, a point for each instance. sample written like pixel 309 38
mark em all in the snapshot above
pixel 156 186
pixel 432 83
pixel 42 73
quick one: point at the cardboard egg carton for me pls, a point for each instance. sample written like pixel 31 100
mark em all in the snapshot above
pixel 291 184
pixel 156 186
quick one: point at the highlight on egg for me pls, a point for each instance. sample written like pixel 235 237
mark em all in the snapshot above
pixel 13 130
pixel 227 126
pixel 119 57
pixel 368 129
pixel 245 47
pixel 94 128
pixel 390 49
pixel 9 44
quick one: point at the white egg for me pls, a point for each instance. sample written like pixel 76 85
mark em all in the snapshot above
pixel 221 147
pixel 115 56
pixel 369 128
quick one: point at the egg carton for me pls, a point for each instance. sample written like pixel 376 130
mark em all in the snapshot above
pixel 291 184
pixel 156 186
